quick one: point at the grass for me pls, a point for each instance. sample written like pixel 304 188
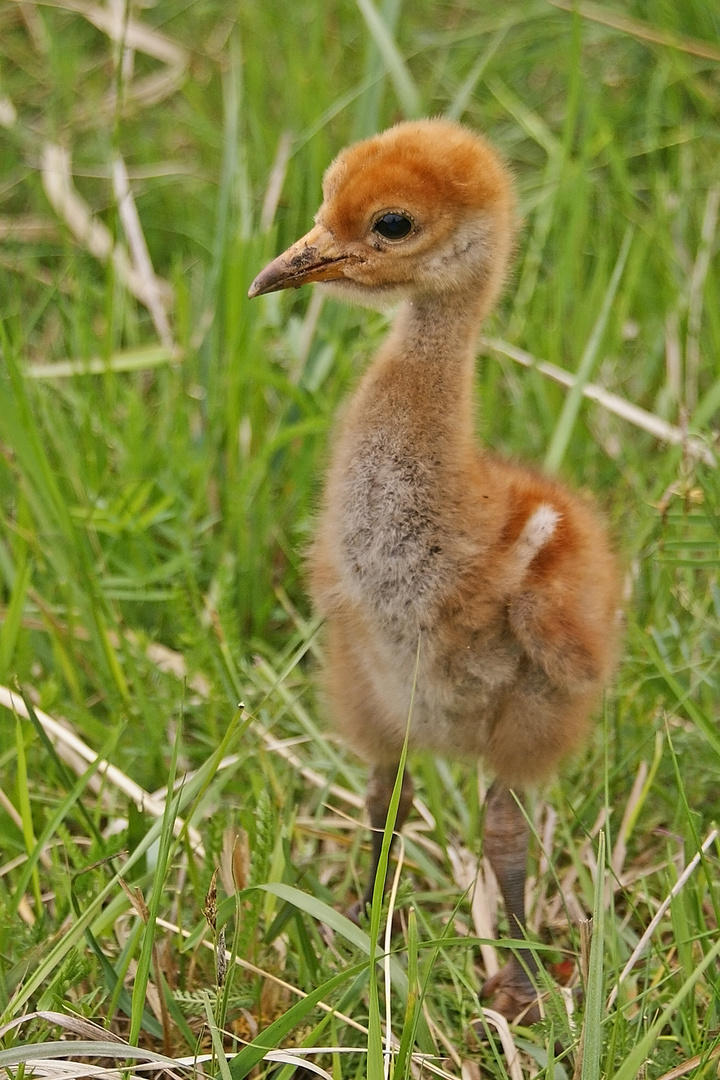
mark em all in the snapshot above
pixel 161 445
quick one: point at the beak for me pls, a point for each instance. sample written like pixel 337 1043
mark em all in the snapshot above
pixel 315 257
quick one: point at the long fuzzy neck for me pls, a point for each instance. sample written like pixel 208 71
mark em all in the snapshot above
pixel 421 379
pixel 402 464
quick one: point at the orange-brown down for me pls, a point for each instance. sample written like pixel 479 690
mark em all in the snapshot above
pixel 504 577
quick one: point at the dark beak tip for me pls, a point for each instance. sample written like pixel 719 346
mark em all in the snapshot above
pixel 261 285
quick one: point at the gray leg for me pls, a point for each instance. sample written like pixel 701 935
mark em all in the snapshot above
pixel 506 846
pixel 379 794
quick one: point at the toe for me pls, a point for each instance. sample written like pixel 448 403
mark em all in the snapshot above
pixel 513 995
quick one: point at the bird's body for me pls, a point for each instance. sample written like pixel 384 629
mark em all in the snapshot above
pixel 488 587
pixel 495 570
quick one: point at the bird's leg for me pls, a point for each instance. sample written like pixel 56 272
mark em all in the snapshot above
pixel 379 793
pixel 506 846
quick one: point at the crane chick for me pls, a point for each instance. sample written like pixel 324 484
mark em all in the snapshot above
pixel 495 581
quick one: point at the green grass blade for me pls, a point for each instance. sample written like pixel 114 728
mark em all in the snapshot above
pixel 59 814
pixel 320 911
pixel 56 953
pixel 10 629
pixel 368 116
pixel 375 1055
pixel 116 1050
pixel 683 700
pixel 407 92
pixel 463 97
pixel 568 417
pixel 217 1041
pixel 268 1039
pixel 26 812
pixel 166 839
pixel 403 1060
pixel 630 1067
pixel 594 1002
pixel 144 359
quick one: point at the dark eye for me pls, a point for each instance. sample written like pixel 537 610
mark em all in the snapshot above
pixel 393 226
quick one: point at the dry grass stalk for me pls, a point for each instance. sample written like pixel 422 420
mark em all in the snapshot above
pixel 128 32
pixel 512 1057
pixel 655 921
pixel 276 181
pixel 695 300
pixel 471 875
pixel 8 112
pixel 617 860
pixel 73 750
pixel 640 30
pixel 131 36
pixel 626 410
pixel 691 1065
pixel 90 232
pixel 27 228
pixel 130 219
pixel 142 93
pixel 254 970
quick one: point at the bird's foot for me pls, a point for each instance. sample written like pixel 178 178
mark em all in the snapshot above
pixel 513 994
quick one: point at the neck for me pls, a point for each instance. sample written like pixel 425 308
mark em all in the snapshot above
pixel 405 454
pixel 438 328
pixel 429 360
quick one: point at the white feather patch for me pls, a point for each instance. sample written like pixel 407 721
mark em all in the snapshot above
pixel 538 531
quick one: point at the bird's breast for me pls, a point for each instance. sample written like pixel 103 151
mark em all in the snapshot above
pixel 390 510
pixel 397 564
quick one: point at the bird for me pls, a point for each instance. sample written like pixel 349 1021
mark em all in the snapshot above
pixel 477 588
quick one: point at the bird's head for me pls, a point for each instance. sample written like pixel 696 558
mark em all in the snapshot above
pixel 423 209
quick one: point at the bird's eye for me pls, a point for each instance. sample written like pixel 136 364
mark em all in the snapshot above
pixel 393 226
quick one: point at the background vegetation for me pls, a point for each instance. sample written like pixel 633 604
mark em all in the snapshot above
pixel 162 441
